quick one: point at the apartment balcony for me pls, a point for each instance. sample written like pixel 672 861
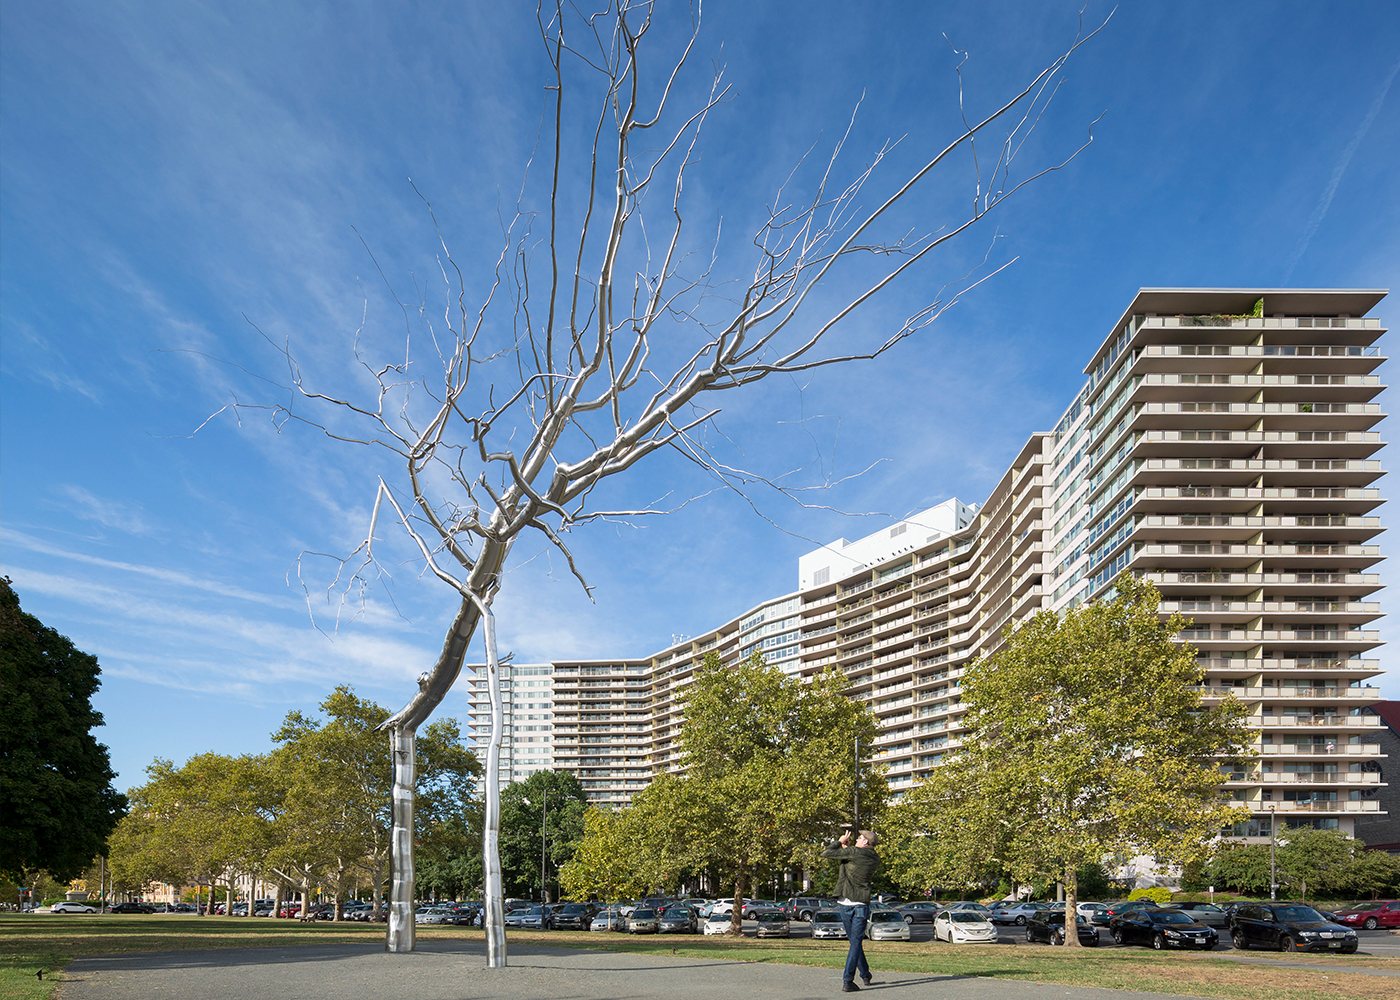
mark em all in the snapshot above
pixel 1319 750
pixel 1336 721
pixel 1277 693
pixel 1344 584
pixel 1339 806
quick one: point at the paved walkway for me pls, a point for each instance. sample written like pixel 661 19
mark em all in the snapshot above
pixel 455 970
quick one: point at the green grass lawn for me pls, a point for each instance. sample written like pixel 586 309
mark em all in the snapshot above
pixel 30 942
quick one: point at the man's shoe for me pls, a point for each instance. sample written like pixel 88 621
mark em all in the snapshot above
pixel 867 980
pixel 849 987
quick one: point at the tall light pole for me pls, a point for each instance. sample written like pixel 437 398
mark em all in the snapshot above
pixel 1273 867
pixel 544 833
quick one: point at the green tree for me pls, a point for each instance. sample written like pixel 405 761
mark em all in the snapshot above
pixel 1089 741
pixel 550 801
pixel 56 792
pixel 1328 863
pixel 335 775
pixel 769 768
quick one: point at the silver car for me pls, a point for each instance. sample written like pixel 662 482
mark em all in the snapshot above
pixel 827 924
pixel 642 921
pixel 1015 913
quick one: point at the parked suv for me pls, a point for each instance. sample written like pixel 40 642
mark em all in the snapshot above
pixel 802 907
pixel 1288 927
pixel 572 916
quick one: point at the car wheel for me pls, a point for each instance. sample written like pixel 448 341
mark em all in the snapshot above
pixel 1371 923
pixel 1159 942
pixel 1020 920
pixel 1118 937
pixel 806 916
pixel 1237 939
pixel 1029 939
pixel 1285 943
pixel 908 920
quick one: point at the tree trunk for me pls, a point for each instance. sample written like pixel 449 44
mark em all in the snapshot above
pixel 494 922
pixel 335 901
pixel 400 934
pixel 277 897
pixel 1071 890
pixel 736 919
pixel 378 895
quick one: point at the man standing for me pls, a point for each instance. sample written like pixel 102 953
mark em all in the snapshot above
pixel 858 866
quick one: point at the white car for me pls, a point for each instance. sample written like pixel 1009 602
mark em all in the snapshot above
pixel 827 924
pixel 887 925
pixel 73 906
pixel 964 927
pixel 718 923
pixel 433 915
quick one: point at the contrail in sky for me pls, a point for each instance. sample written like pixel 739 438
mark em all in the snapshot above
pixel 1325 202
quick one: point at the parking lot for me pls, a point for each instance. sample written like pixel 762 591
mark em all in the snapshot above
pixel 1371 942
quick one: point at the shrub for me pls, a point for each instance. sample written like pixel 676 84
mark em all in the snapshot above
pixel 1157 893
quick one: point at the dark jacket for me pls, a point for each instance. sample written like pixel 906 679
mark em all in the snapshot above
pixel 858 866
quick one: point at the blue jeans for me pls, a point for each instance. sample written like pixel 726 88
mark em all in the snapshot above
pixel 854 919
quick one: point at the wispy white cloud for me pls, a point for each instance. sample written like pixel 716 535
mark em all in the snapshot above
pixel 1330 191
pixel 109 513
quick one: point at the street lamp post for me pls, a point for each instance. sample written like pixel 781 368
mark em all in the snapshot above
pixel 544 834
pixel 1273 867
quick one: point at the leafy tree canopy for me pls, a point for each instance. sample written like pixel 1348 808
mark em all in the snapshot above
pixel 56 792
pixel 1089 742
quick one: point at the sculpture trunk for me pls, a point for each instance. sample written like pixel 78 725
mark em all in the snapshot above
pixel 400 934
pixel 494 923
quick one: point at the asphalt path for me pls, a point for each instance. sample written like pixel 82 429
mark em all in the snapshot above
pixel 455 970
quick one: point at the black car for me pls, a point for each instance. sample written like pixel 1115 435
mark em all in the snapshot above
pixel 1049 926
pixel 571 916
pixel 133 908
pixel 677 919
pixel 1288 927
pixel 1162 929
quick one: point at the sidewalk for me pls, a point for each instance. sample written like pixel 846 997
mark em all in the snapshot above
pixel 455 970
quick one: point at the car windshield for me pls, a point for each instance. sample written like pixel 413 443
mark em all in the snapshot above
pixel 1303 913
pixel 967 917
pixel 643 914
pixel 1173 917
pixel 827 917
pixel 576 908
pixel 772 918
pixel 726 917
pixel 677 912
pixel 886 917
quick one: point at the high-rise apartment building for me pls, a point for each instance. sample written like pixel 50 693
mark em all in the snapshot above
pixel 1223 446
pixel 527 703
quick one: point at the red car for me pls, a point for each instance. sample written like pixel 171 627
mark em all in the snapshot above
pixel 1384 913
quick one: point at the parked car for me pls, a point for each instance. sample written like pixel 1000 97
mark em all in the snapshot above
pixel 774 923
pixel 1205 913
pixel 753 907
pixel 609 919
pixel 919 913
pixel 887 925
pixel 133 907
pixel 642 921
pixel 696 903
pixel 966 904
pixel 964 927
pixel 802 907
pixel 1014 913
pixel 1385 913
pixel 1162 928
pixel 1090 911
pixel 677 919
pixel 886 900
pixel 1289 927
pixel 72 906
pixel 433 915
pixel 1125 905
pixel 1049 926
pixel 572 916
pixel 718 923
pixel 532 916
pixel 827 924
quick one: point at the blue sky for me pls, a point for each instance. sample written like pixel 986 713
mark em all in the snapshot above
pixel 173 173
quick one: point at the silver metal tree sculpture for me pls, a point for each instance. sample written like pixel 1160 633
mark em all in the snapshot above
pixel 615 341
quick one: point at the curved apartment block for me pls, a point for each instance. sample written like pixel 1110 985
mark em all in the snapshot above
pixel 1224 445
